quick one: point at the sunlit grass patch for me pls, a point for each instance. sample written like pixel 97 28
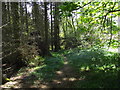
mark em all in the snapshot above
pixel 47 70
pixel 99 66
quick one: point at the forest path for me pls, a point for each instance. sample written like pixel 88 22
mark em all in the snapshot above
pixel 66 77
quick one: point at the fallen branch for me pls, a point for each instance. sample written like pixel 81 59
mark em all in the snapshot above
pixel 4 25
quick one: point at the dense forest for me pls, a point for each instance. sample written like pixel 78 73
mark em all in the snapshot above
pixel 60 44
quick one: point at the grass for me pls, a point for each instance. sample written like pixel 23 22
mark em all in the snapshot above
pixel 99 67
pixel 47 70
pixel 43 72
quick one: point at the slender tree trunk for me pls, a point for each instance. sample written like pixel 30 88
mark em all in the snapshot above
pixel 15 18
pixel 56 28
pixel 26 17
pixel 46 29
pixel 111 34
pixel 22 29
pixel 51 26
pixel 119 32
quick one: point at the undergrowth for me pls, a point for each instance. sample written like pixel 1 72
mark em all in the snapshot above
pixel 98 66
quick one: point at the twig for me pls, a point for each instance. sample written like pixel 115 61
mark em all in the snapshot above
pixel 4 25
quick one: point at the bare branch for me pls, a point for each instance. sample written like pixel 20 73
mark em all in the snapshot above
pixel 4 25
pixel 84 5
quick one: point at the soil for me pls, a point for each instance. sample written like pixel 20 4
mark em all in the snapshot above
pixel 66 77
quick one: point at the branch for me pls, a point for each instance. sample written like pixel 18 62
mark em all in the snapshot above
pixel 4 25
pixel 113 11
pixel 111 34
pixel 108 13
pixel 84 5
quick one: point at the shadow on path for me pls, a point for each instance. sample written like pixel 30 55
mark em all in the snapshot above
pixel 66 77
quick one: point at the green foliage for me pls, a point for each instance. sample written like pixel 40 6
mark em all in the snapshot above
pixel 87 25
pixel 47 70
pixel 99 67
pixel 38 60
pixel 67 7
pixel 90 19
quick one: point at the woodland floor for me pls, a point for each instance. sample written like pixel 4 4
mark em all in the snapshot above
pixel 70 69
pixel 64 78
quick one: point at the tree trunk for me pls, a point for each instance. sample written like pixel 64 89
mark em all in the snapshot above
pixel 51 26
pixel 56 28
pixel 46 29
pixel 15 18
pixel 26 17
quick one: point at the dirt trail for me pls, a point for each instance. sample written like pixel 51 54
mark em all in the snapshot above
pixel 66 77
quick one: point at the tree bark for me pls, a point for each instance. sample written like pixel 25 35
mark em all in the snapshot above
pixel 51 26
pixel 56 28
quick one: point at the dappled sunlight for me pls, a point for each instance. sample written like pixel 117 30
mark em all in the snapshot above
pixel 69 79
pixel 59 72
pixel 57 81
pixel 96 66
pixel 64 79
pixel 113 50
pixel 91 66
pixel 82 78
pixel 75 79
pixel 44 86
pixel 16 78
pixel 10 84
pixel 65 62
pixel 60 44
pixel 72 79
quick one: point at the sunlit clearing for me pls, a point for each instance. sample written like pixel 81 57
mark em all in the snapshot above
pixel 56 81
pixel 59 72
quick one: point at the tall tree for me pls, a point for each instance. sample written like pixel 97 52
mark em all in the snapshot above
pixel 51 9
pixel 56 28
pixel 46 28
pixel 15 22
pixel 41 27
pixel 26 14
pixel 22 29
